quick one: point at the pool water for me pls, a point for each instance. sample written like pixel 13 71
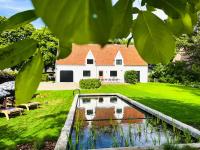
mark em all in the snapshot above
pixel 108 121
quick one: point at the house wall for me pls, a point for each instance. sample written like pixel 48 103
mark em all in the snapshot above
pixel 78 71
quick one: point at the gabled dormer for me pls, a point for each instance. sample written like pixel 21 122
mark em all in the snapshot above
pixel 119 59
pixel 89 60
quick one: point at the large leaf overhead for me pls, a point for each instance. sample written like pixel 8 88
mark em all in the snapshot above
pixel 173 8
pixel 18 20
pixel 16 53
pixel 28 79
pixel 122 12
pixel 77 21
pixel 153 40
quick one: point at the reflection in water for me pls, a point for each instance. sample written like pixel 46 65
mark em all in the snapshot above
pixel 103 122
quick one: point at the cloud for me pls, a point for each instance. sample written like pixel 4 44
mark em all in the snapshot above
pixel 14 6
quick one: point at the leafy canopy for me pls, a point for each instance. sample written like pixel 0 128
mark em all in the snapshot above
pixel 98 21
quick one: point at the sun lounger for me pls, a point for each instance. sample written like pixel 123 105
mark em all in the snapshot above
pixel 11 111
pixel 30 105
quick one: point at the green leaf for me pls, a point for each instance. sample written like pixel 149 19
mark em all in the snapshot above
pixel 173 8
pixel 183 25
pixel 64 51
pixel 77 21
pixel 153 40
pixel 28 79
pixel 16 53
pixel 18 19
pixel 122 13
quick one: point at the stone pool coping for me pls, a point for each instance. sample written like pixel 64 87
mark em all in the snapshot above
pixel 66 130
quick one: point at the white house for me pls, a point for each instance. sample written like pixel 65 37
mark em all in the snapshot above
pixel 108 63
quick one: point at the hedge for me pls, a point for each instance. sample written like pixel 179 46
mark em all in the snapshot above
pixel 90 83
pixel 131 77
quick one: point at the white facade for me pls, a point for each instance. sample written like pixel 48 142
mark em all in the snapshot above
pixel 78 72
pixel 95 69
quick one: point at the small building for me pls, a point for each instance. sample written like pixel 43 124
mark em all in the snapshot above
pixel 108 63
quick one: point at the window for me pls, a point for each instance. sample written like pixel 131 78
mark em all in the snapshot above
pixel 90 61
pixel 119 111
pixel 89 112
pixel 113 99
pixel 113 73
pixel 100 73
pixel 86 73
pixel 118 62
pixel 100 99
pixel 86 100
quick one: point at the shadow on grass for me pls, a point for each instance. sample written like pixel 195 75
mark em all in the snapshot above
pixel 12 135
pixel 185 112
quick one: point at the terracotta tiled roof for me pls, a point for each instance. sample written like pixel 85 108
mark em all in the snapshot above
pixel 103 55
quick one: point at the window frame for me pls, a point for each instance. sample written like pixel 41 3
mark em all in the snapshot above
pixel 112 72
pixel 90 63
pixel 84 75
pixel 117 60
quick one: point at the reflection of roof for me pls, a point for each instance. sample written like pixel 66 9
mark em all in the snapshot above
pixel 80 115
pixel 103 55
pixel 129 113
pixel 104 113
pixel 108 114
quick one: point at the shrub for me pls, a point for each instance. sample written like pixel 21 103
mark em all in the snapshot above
pixel 7 75
pixel 131 77
pixel 90 83
pixel 45 77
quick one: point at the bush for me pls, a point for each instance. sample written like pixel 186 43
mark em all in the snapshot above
pixel 45 77
pixel 131 77
pixel 7 75
pixel 90 83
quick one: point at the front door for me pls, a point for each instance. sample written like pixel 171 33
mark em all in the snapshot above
pixel 101 74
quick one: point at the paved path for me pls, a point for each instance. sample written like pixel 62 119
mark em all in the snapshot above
pixel 58 86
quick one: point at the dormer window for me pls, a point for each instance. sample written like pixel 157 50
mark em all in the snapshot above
pixel 118 61
pixel 90 61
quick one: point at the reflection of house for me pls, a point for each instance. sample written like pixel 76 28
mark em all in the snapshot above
pixel 107 63
pixel 108 108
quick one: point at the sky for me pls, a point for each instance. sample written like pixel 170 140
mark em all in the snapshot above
pixel 10 7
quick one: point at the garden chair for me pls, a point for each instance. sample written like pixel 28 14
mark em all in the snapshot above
pixel 9 110
pixel 29 105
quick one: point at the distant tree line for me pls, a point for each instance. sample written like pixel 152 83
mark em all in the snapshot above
pixel 47 42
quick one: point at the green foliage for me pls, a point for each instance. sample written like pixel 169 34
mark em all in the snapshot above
pixel 16 53
pixel 18 20
pixel 148 32
pixel 90 83
pixel 176 72
pixel 123 12
pixel 45 77
pixel 28 79
pixel 175 147
pixel 98 21
pixel 84 21
pixel 48 45
pixel 131 77
pixel 7 75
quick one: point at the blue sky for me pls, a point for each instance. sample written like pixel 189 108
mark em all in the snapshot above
pixel 10 7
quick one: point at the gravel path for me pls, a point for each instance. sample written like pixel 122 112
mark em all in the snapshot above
pixel 58 86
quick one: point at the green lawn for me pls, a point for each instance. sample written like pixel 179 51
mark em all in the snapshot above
pixel 182 103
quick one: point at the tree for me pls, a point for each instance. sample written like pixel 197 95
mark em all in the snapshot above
pixel 48 45
pixel 14 35
pixel 98 21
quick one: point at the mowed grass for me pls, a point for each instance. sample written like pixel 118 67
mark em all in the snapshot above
pixel 45 123
pixel 38 125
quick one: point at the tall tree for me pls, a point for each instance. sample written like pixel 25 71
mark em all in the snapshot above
pixel 48 45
